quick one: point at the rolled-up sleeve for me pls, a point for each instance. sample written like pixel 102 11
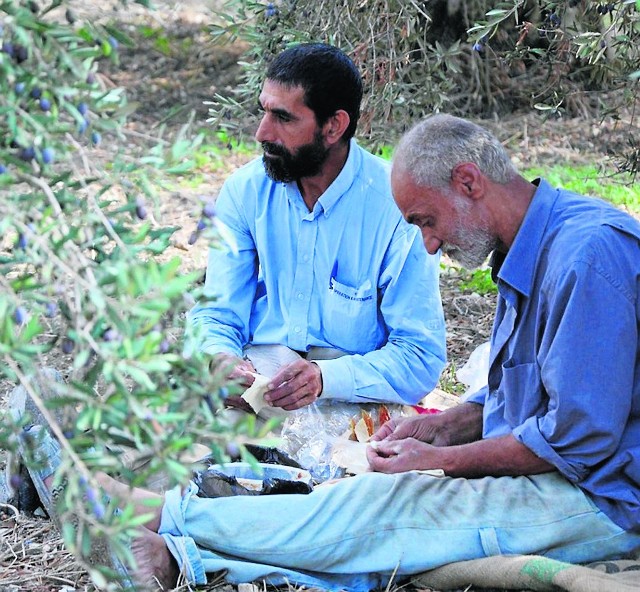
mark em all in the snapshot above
pixel 478 396
pixel 587 363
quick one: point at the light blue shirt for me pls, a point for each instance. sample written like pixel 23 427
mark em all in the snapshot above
pixel 350 275
pixel 564 375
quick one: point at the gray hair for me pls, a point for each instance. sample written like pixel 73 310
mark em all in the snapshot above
pixel 432 148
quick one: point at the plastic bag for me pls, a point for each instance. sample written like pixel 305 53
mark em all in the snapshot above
pixel 214 483
pixel 271 455
pixel 273 473
pixel 309 434
pixel 475 371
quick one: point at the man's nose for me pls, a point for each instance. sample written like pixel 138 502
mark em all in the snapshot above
pixel 263 133
pixel 431 243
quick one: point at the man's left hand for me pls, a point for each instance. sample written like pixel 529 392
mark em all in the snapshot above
pixel 295 385
pixel 398 456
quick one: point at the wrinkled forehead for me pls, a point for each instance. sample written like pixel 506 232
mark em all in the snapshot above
pixel 415 200
pixel 404 188
pixel 403 177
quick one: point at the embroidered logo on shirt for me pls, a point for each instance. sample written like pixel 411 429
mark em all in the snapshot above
pixel 360 294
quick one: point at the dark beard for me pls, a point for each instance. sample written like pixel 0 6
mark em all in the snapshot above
pixel 283 166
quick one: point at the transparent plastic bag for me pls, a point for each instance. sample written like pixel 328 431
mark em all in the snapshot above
pixel 309 434
pixel 475 371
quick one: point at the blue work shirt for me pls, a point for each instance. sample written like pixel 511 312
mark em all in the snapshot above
pixel 564 375
pixel 350 275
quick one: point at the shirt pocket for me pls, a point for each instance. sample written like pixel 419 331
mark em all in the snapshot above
pixel 351 317
pixel 522 393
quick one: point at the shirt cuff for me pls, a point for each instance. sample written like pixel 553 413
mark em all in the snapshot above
pixel 529 434
pixel 337 381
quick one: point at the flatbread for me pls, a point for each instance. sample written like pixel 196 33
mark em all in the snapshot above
pixel 439 399
pixel 350 455
pixel 254 395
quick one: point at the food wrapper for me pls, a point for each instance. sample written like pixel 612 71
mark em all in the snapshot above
pixel 310 435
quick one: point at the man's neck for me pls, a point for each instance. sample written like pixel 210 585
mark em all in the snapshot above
pixel 510 209
pixel 311 188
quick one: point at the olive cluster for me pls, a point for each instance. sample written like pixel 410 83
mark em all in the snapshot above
pixel 553 20
pixel 478 46
pixel 208 214
pixel 606 8
pixel 48 85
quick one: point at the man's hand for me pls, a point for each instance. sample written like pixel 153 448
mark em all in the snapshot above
pixel 457 425
pixel 238 370
pixel 234 368
pixel 502 455
pixel 425 428
pixel 426 442
pixel 295 385
pixel 398 456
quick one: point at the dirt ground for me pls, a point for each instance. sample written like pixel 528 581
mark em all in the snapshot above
pixel 167 86
pixel 159 82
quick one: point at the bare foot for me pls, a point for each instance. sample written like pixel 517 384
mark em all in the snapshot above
pixel 123 493
pixel 156 567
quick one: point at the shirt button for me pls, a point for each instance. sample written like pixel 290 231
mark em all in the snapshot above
pixel 300 296
pixel 305 258
pixel 297 328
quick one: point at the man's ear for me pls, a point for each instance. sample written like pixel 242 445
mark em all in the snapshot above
pixel 335 126
pixel 467 179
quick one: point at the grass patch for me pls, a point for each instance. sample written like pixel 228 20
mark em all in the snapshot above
pixel 449 382
pixel 212 154
pixel 588 180
pixel 478 281
pixel 385 152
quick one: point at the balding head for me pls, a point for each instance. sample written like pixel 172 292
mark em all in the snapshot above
pixel 432 148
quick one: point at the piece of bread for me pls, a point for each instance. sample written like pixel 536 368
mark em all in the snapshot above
pixel 351 455
pixel 254 395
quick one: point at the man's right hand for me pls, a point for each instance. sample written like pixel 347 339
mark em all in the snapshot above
pixel 457 425
pixel 234 368
pixel 238 370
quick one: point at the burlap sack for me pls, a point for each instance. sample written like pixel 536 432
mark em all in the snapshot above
pixel 533 572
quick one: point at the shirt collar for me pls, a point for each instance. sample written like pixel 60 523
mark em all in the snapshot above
pixel 517 266
pixel 340 185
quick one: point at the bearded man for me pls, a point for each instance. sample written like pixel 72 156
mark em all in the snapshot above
pixel 328 291
pixel 543 460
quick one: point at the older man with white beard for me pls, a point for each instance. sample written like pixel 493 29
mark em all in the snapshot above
pixel 543 460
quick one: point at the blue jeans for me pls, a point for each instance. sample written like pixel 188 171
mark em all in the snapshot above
pixel 362 532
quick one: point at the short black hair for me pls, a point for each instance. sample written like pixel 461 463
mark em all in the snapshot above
pixel 330 79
